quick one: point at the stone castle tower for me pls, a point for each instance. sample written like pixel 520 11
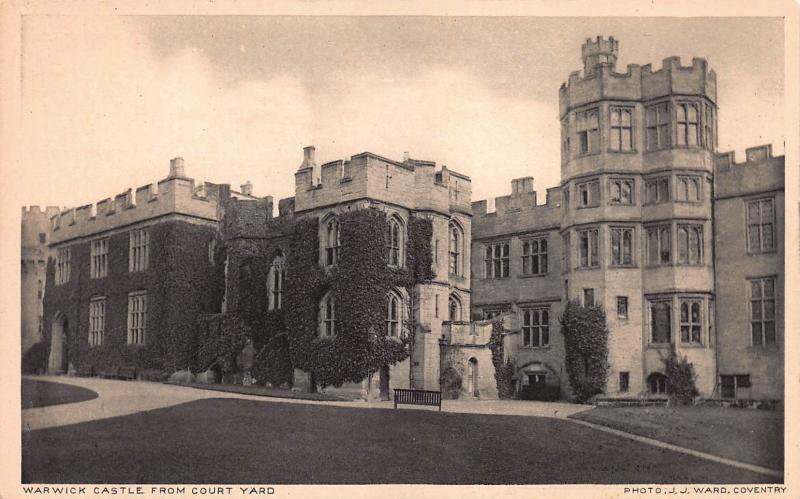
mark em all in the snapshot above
pixel 636 222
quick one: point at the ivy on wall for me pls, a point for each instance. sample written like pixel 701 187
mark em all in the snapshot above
pixel 680 378
pixel 181 284
pixel 503 371
pixel 359 284
pixel 585 333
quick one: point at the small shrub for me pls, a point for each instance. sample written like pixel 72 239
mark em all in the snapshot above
pixel 680 379
pixel 35 359
pixel 451 383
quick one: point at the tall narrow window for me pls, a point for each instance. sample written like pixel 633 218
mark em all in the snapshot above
pixel 621 191
pixel 624 381
pixel 622 246
pixel 661 322
pixel 328 316
pixel 139 254
pixel 588 131
pixel 566 259
pixel 394 315
pixel 534 256
pixel 565 139
pixel 622 307
pixel 396 242
pixel 212 250
pixel 456 239
pixel 659 246
pixel 99 261
pixel 97 321
pixel 760 223
pixel 691 322
pixel 276 280
pixel 762 310
pixel 535 327
pixel 332 241
pixel 588 297
pixel 454 309
pixel 690 244
pixel 708 137
pixel 688 129
pixel 657 118
pixel 497 260
pixel 621 129
pixel 588 247
pixel 137 318
pixel 63 265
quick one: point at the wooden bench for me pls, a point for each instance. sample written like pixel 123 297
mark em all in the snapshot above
pixel 119 373
pixel 417 397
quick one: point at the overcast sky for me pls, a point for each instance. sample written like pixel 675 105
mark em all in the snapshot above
pixel 107 101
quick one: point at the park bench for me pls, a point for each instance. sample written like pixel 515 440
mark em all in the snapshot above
pixel 417 397
pixel 119 373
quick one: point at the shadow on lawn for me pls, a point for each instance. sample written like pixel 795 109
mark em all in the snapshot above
pixel 223 441
pixel 37 393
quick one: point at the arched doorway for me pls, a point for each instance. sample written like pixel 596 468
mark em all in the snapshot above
pixel 58 361
pixel 472 377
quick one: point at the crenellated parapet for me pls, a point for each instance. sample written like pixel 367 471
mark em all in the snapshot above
pixel 413 184
pixel 760 172
pixel 600 80
pixel 175 194
pixel 517 212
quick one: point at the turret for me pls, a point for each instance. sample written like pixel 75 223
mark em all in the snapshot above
pixel 599 52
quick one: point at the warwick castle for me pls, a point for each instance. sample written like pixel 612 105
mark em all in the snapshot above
pixel 380 274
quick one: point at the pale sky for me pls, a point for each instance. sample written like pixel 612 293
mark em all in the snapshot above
pixel 107 101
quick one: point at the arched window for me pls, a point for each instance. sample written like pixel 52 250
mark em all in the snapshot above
pixel 657 383
pixel 396 242
pixel 276 280
pixel 394 315
pixel 454 308
pixel 331 241
pixel 327 314
pixel 456 241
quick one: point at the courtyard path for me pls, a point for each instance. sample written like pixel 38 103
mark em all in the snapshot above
pixel 120 398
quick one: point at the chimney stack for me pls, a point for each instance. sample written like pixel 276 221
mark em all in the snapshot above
pixel 176 168
pixel 406 157
pixel 308 158
pixel 247 188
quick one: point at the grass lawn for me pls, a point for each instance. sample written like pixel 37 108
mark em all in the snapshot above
pixel 244 441
pixel 263 391
pixel 747 435
pixel 43 393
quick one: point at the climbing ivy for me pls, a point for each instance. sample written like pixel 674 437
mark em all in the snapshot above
pixel 586 343
pixel 359 284
pixel 503 371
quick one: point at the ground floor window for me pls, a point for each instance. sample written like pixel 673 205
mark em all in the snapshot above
pixel 730 383
pixel 657 383
pixel 624 381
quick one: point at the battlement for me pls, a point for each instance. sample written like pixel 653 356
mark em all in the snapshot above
pixel 175 194
pixel 36 211
pixel 599 79
pixel 517 212
pixel 414 184
pixel 760 172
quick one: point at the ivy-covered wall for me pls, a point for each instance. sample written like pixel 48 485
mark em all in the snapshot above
pixel 289 338
pixel 181 284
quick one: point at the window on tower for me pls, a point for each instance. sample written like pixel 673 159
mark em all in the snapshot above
pixel 588 131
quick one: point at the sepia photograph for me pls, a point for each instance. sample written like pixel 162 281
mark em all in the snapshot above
pixel 261 250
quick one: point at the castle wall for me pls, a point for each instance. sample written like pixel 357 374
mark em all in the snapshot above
pixel 34 254
pixel 761 176
pixel 180 286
